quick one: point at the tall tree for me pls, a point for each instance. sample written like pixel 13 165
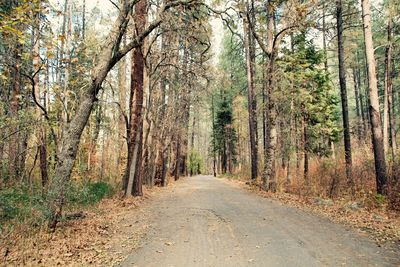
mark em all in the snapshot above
pixel 252 102
pixel 390 132
pixel 343 93
pixel 41 132
pixel 135 134
pixel 376 125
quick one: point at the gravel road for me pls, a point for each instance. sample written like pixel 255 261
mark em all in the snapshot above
pixel 206 221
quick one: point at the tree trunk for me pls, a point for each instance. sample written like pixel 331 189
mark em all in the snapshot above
pixel 67 59
pixel 123 125
pixel 357 98
pixel 343 94
pixel 376 126
pixel 136 116
pixel 84 20
pixel 70 140
pixel 192 145
pixel 177 160
pixel 252 104
pixel 292 137
pixel 324 37
pixel 361 100
pixel 214 134
pixel 92 155
pixel 305 149
pixel 41 131
pixel 389 89
pixel 269 179
pixel 16 135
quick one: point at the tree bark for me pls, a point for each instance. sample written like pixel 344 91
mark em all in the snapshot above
pixel 192 145
pixel 343 94
pixel 357 98
pixel 269 179
pixel 136 116
pixel 376 126
pixel 305 149
pixel 41 131
pixel 361 100
pixel 389 91
pixel 16 137
pixel 214 134
pixel 251 97
pixel 84 20
pixel 324 37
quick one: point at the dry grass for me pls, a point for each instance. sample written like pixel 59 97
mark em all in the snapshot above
pixel 327 179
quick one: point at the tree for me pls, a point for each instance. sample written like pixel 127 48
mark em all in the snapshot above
pixel 343 94
pixel 41 132
pixel 227 87
pixel 109 55
pixel 135 131
pixel 249 45
pixel 225 135
pixel 294 16
pixel 376 126
pixel 389 104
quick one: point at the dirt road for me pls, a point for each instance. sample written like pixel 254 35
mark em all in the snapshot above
pixel 208 222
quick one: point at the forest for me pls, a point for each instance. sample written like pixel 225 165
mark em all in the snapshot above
pixel 110 99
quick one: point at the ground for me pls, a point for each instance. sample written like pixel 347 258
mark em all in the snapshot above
pixel 205 221
pixel 199 221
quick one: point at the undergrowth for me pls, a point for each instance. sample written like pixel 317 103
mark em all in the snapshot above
pixel 327 179
pixel 24 204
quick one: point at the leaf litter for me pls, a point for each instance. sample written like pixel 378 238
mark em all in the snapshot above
pixel 104 236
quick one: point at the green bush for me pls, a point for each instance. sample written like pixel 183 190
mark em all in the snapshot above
pixel 380 199
pixel 23 204
pixel 89 193
pixel 195 162
pixel 20 204
pixel 13 202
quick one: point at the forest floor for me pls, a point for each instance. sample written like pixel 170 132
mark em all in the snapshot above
pixel 200 221
pixel 103 236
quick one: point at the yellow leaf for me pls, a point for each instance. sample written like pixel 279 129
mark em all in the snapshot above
pixel 61 37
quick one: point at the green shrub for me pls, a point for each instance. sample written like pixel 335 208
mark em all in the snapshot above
pixel 13 202
pixel 98 191
pixel 195 162
pixel 28 205
pixel 89 193
pixel 380 199
pixel 20 204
